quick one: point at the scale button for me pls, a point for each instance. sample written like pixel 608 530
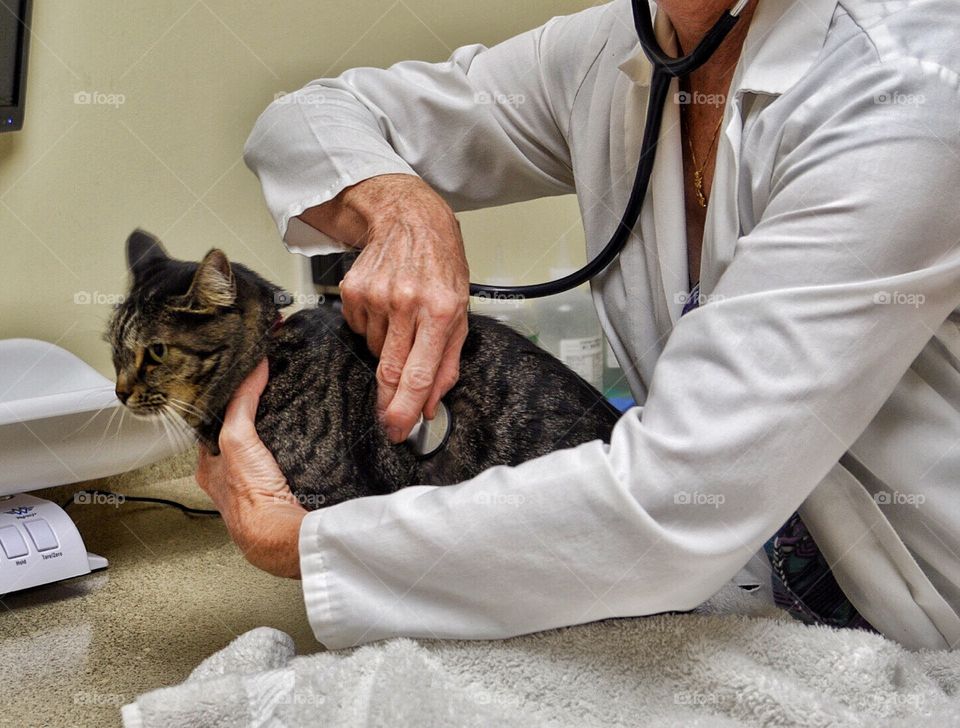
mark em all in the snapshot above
pixel 42 534
pixel 12 542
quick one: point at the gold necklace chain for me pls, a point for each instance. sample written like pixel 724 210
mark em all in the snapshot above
pixel 698 169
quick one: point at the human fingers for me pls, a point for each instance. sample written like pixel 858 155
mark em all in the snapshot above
pixel 416 381
pixel 239 428
pixel 448 373
pixel 393 360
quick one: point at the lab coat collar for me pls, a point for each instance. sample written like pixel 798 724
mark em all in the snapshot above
pixel 800 25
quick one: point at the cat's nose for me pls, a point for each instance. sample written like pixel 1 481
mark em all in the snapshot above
pixel 122 389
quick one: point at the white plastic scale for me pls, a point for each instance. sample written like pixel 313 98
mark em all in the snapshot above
pixel 59 423
pixel 40 544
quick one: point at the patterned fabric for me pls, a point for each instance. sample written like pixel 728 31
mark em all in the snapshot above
pixel 802 582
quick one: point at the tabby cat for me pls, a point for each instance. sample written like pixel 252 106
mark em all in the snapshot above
pixel 187 334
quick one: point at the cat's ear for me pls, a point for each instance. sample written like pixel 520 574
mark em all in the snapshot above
pixel 214 285
pixel 143 251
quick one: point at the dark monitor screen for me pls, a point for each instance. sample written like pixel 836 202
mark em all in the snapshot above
pixel 9 40
pixel 14 36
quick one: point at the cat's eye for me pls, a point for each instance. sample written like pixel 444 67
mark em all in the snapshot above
pixel 157 352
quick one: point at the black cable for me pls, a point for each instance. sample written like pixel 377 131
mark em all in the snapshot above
pixel 141 499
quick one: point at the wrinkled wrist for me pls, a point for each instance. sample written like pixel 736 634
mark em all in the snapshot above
pixel 385 200
pixel 368 199
pixel 347 217
pixel 273 536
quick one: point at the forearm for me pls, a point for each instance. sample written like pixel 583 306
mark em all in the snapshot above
pixel 348 217
pixel 554 542
pixel 272 538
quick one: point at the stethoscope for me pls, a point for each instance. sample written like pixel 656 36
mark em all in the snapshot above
pixel 429 436
pixel 665 69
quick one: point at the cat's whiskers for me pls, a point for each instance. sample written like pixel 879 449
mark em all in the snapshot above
pixel 106 428
pixel 184 409
pixel 187 408
pixel 116 436
pixel 178 430
pixel 165 424
pixel 86 424
pixel 185 434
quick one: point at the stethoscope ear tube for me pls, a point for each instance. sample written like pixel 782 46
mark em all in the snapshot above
pixel 665 69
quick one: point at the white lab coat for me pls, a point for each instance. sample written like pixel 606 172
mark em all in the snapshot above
pixel 821 373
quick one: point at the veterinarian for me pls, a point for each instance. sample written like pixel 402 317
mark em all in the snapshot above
pixel 802 211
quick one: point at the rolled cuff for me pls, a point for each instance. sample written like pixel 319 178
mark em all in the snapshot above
pixel 313 572
pixel 303 239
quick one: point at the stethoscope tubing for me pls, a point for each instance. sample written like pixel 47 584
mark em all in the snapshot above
pixel 665 69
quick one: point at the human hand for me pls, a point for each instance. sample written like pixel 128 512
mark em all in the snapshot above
pixel 246 485
pixel 406 293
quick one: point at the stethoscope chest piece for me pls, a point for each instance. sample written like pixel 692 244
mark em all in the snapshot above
pixel 429 436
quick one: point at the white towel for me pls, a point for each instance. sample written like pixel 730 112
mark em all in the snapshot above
pixel 704 669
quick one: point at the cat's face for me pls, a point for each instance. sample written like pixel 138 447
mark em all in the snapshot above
pixel 176 335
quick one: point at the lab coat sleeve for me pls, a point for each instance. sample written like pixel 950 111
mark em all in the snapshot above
pixel 852 267
pixel 486 127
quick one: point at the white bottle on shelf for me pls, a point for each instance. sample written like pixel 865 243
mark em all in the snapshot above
pixel 570 330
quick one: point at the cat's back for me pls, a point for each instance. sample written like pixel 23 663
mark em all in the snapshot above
pixel 524 373
pixel 317 414
pixel 502 374
pixel 514 402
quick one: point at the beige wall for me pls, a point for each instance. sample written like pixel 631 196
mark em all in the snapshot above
pixel 193 77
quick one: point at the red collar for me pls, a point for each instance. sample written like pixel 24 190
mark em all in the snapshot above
pixel 277 323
